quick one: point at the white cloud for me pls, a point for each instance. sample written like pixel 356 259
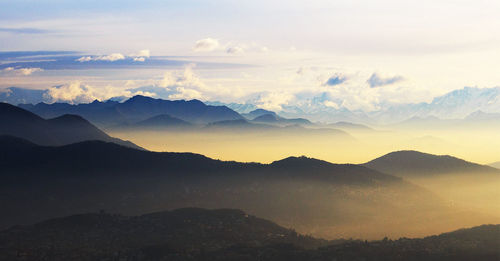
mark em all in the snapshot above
pixel 139 59
pixel 109 58
pixel 78 92
pixel 235 50
pixel 142 53
pixel 22 71
pixel 206 45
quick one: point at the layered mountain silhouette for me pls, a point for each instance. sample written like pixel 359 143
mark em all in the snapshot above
pixel 137 109
pixel 222 234
pixel 40 182
pixel 62 130
pixel 413 164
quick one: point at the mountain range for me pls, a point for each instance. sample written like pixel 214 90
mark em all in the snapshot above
pixel 326 199
pixel 62 130
pixel 136 109
pixel 466 103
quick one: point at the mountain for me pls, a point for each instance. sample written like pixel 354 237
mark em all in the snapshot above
pixel 476 243
pixel 495 165
pixel 137 108
pixel 170 233
pixel 223 234
pixel 16 95
pixel 324 199
pixel 62 130
pixel 349 126
pixel 272 118
pixel 256 113
pixel 159 122
pixel 414 164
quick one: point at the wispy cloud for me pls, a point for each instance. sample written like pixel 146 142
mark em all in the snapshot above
pixel 21 71
pixel 206 45
pixel 24 30
pixel 377 81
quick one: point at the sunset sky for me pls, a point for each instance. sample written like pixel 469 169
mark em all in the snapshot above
pixel 272 53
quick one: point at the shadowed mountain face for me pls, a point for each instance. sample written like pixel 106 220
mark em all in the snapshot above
pixel 414 163
pixel 313 196
pixel 80 237
pixel 158 122
pixel 136 109
pixel 62 130
pixel 272 118
pixel 223 234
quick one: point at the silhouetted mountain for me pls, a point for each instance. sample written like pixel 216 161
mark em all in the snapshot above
pixel 158 122
pixel 41 182
pixel 414 163
pixel 275 119
pixel 477 243
pixel 256 113
pixel 223 234
pixel 170 233
pixel 62 130
pixel 136 109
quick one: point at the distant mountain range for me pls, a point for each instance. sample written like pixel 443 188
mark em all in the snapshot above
pixel 418 164
pixel 468 103
pixel 136 109
pixel 62 130
pixel 222 234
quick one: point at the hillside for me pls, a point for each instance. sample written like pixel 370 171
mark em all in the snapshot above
pixel 223 234
pixel 414 163
pixel 62 130
pixel 177 232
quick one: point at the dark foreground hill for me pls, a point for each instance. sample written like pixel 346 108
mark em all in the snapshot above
pixel 65 129
pixel 136 109
pixel 313 196
pixel 223 234
pixel 418 164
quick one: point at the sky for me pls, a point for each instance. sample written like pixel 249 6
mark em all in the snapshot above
pixel 362 53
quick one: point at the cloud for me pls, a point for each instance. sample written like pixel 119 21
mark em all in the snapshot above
pixel 235 50
pixel 335 80
pixel 377 81
pixel 136 57
pixel 24 30
pixel 142 53
pixel 109 58
pixel 22 71
pixel 206 45
pixel 273 100
pixel 78 92
pixel 140 56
